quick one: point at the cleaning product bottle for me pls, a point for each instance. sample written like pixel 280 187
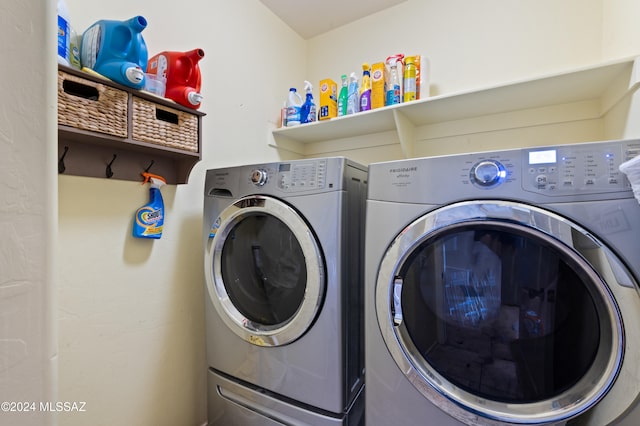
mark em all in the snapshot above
pixel 183 76
pixel 117 50
pixel 365 91
pixel 308 108
pixel 149 219
pixel 74 48
pixel 392 84
pixel 409 79
pixel 294 102
pixel 64 34
pixel 353 103
pixel 343 97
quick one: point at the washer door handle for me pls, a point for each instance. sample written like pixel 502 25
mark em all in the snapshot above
pixel 396 301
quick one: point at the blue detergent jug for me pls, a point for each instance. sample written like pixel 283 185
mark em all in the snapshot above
pixel 116 50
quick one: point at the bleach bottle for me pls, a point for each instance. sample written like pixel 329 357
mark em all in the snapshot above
pixel 183 76
pixel 116 50
pixel 149 219
pixel 308 108
pixel 294 104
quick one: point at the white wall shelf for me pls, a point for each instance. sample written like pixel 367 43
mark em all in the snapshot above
pixel 585 93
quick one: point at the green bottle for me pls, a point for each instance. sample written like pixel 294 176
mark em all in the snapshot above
pixel 343 97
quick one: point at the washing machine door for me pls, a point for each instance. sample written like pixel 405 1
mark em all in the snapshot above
pixel 264 270
pixel 504 311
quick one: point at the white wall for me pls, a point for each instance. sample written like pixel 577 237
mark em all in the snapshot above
pixel 470 45
pixel 131 311
pixel 28 210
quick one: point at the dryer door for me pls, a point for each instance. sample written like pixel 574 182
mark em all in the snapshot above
pixel 265 271
pixel 503 310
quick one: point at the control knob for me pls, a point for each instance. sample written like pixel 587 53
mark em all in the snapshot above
pixel 487 173
pixel 259 177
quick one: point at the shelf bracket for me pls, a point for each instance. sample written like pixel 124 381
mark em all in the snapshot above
pixel 406 133
pixel 621 87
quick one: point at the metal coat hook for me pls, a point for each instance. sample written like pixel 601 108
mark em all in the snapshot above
pixel 149 166
pixel 109 172
pixel 61 166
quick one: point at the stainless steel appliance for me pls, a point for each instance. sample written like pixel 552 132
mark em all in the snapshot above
pixel 284 287
pixel 502 288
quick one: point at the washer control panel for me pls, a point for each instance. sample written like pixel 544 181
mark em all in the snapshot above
pixel 292 177
pixel 571 169
pixel 487 173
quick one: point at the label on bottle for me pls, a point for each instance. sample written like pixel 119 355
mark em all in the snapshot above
pixel 365 101
pixel 410 83
pixel 293 115
pixel 150 221
pixel 63 38
pixel 312 115
pixel 409 89
pixel 91 46
pixel 393 95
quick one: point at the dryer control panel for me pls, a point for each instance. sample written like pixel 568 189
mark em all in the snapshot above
pixel 302 176
pixel 291 177
pixel 573 169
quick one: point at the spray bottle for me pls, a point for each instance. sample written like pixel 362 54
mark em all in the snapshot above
pixel 308 108
pixel 365 92
pixel 149 219
pixel 343 97
pixel 393 84
pixel 353 103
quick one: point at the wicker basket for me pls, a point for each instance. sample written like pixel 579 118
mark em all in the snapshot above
pixel 164 126
pixel 88 105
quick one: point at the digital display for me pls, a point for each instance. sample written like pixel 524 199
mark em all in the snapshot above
pixel 542 157
pixel 284 167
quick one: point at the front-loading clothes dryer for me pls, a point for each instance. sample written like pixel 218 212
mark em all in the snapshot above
pixel 284 271
pixel 502 288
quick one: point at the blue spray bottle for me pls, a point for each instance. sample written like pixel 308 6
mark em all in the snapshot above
pixel 353 102
pixel 149 219
pixel 308 108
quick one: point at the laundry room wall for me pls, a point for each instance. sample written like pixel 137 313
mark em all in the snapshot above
pixel 28 212
pixel 475 45
pixel 131 311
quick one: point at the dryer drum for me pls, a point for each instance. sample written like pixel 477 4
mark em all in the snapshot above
pixel 501 310
pixel 267 274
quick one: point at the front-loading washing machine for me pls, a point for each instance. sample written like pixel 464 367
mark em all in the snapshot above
pixel 502 288
pixel 284 271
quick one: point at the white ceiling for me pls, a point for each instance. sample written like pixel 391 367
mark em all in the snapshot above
pixel 310 18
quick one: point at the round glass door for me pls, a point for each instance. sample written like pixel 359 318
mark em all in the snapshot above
pixel 266 274
pixel 495 307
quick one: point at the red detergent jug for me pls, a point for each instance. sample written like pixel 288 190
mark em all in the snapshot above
pixel 182 73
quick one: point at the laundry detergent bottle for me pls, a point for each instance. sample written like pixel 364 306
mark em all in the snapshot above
pixel 149 219
pixel 116 50
pixel 182 71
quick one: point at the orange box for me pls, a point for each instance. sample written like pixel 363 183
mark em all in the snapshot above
pixel 328 99
pixel 377 85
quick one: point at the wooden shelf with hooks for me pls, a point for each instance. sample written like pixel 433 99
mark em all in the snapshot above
pixel 117 149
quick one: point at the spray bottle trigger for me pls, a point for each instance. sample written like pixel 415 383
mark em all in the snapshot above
pixel 153 177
